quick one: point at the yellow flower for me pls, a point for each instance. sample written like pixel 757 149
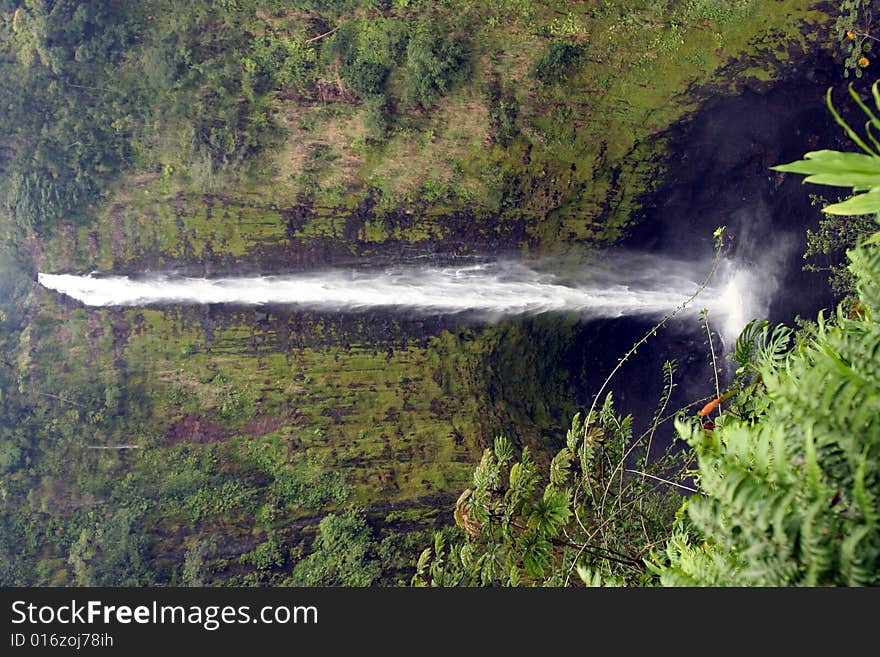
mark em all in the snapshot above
pixel 850 35
pixel 863 62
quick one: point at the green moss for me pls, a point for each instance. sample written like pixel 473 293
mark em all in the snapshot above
pixel 395 428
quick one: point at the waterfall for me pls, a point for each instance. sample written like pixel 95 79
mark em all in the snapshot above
pixel 626 285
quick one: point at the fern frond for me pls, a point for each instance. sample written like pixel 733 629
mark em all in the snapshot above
pixel 560 467
pixel 573 435
pixel 865 265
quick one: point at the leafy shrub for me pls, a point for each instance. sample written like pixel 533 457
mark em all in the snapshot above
pixel 435 61
pixel 556 62
pixel 268 554
pixel 312 489
pixel 502 114
pixel 38 198
pixel 364 78
pixel 220 501
pixel 343 554
pixel 792 495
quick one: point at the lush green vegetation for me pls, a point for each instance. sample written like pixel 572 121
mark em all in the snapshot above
pixel 786 486
pixel 187 446
pixel 785 479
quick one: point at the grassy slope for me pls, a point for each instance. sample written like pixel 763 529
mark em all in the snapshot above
pixel 396 428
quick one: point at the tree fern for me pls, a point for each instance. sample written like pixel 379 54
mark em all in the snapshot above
pixel 791 497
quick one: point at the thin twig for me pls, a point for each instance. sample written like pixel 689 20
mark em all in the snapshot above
pixel 659 540
pixel 619 466
pixel 648 334
pixel 657 420
pixel 61 399
pixel 605 522
pixel 665 481
pixel 865 34
pixel 712 351
pixel 611 555
pixel 321 36
pixel 698 402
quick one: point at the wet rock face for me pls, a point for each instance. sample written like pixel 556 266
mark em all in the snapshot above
pixel 542 369
pixel 434 236
pixel 718 173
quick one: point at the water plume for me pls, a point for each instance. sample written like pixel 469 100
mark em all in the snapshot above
pixel 621 284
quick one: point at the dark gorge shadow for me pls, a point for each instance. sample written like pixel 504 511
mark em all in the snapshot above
pixel 717 174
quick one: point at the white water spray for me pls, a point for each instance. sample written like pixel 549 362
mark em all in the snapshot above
pixel 635 285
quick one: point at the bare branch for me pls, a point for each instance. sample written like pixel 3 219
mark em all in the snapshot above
pixel 665 481
pixel 321 36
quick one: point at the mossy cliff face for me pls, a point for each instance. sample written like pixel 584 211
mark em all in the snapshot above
pixel 240 428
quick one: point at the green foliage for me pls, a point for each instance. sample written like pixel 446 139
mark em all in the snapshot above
pixel 376 120
pixel 550 513
pixel 274 62
pixel 435 61
pixel 117 83
pixel 591 516
pixel 17 540
pixel 37 198
pixel 343 554
pixel 302 482
pixel 761 342
pixel 61 53
pixel 557 61
pixel 268 554
pixel 309 485
pixel 502 114
pixel 367 51
pixel 220 501
pixel 719 11
pixel 235 404
pixel 790 491
pixel 790 497
pixel 112 551
pixel 363 78
pixel 827 246
pixel 194 562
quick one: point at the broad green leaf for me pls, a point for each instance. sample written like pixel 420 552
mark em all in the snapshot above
pixel 424 560
pixel 867 203
pixel 835 168
pixel 589 577
pixel 858 161
pixel 858 181
pixel 873 239
pixel 550 512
